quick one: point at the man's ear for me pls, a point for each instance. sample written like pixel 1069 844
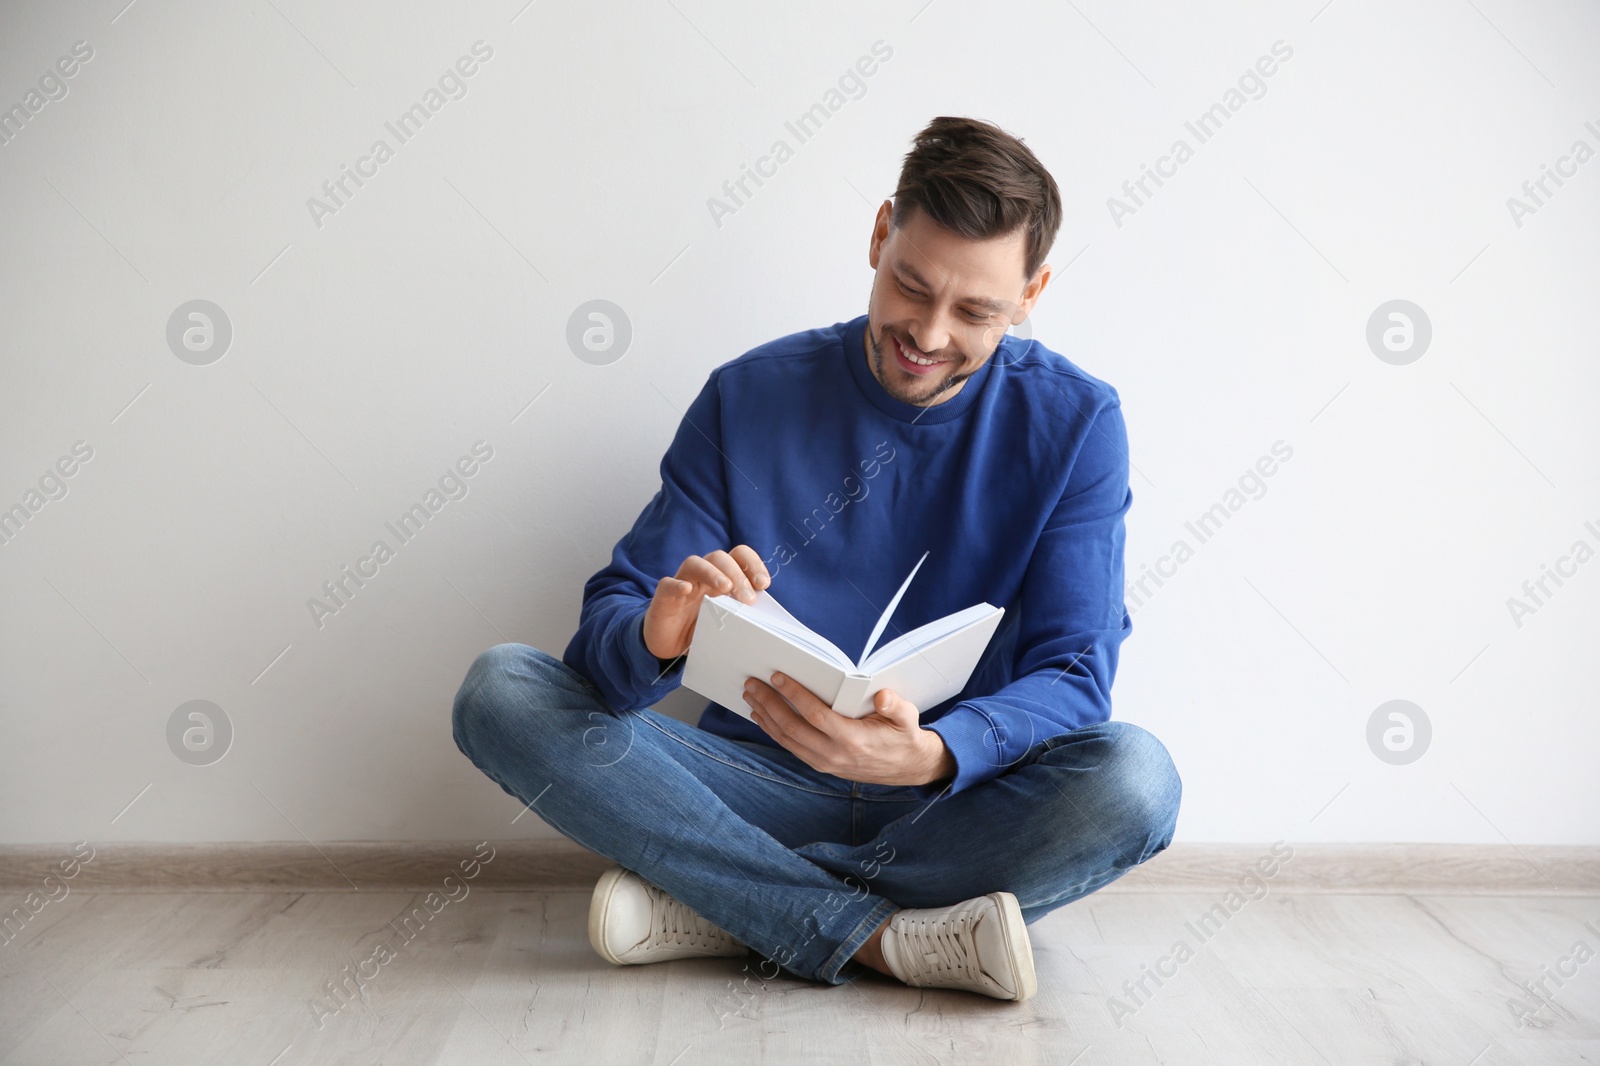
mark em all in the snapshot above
pixel 880 232
pixel 1032 291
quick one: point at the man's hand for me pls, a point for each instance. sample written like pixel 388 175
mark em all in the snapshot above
pixel 675 607
pixel 887 747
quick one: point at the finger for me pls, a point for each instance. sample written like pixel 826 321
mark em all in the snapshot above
pixel 741 583
pixel 669 618
pixel 769 711
pixel 807 704
pixel 806 755
pixel 675 598
pixel 803 714
pixel 889 704
pixel 762 700
pixel 673 588
pixel 705 577
pixel 754 568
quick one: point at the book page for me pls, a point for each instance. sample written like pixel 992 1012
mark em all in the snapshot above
pixel 936 670
pixel 923 637
pixel 888 612
pixel 940 669
pixel 770 615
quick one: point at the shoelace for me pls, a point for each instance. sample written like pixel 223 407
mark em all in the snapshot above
pixel 937 947
pixel 677 922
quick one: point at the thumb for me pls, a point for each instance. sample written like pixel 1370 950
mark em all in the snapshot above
pixel 677 587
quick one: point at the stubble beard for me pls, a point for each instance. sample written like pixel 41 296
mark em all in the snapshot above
pixel 880 361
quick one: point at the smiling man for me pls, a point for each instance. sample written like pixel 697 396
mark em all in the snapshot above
pixel 920 842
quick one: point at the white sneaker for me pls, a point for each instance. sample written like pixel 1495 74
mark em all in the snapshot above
pixel 980 945
pixel 632 921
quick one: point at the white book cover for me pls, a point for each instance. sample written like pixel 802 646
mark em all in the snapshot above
pixel 734 641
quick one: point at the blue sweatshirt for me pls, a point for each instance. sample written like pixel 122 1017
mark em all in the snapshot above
pixel 1016 486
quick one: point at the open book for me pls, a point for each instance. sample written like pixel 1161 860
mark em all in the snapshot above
pixel 734 641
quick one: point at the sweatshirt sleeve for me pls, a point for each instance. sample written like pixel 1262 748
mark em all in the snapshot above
pixel 1073 619
pixel 687 516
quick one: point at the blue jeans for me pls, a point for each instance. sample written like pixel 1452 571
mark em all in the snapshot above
pixel 799 865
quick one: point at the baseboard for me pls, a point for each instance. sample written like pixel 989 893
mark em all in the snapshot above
pixel 560 865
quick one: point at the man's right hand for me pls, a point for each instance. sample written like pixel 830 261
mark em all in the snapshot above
pixel 670 618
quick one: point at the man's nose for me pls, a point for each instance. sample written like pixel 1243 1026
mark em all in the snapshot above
pixel 931 332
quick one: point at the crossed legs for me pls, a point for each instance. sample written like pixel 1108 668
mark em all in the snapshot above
pixel 801 866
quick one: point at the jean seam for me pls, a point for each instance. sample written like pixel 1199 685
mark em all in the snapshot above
pixel 743 769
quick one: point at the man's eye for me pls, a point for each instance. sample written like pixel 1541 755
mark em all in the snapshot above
pixel 977 316
pixel 908 292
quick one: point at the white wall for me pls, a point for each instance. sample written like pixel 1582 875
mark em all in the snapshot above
pixel 371 351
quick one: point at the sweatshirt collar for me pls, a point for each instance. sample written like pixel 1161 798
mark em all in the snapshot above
pixel 856 359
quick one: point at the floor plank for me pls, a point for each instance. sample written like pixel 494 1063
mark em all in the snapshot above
pixel 508 977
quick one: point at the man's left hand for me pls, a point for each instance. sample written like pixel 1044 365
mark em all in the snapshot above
pixel 886 747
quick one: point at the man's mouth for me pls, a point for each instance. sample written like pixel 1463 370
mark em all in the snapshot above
pixel 913 362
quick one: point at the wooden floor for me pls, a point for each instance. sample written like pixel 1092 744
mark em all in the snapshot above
pixel 508 977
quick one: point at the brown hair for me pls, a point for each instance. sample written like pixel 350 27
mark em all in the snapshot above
pixel 978 181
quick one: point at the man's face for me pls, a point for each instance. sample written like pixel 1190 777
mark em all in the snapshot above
pixel 938 296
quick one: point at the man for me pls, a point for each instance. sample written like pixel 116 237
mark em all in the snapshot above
pixel 915 841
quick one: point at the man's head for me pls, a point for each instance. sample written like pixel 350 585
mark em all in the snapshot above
pixel 959 255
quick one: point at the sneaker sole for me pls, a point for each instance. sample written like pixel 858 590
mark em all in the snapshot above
pixel 1018 947
pixel 600 906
